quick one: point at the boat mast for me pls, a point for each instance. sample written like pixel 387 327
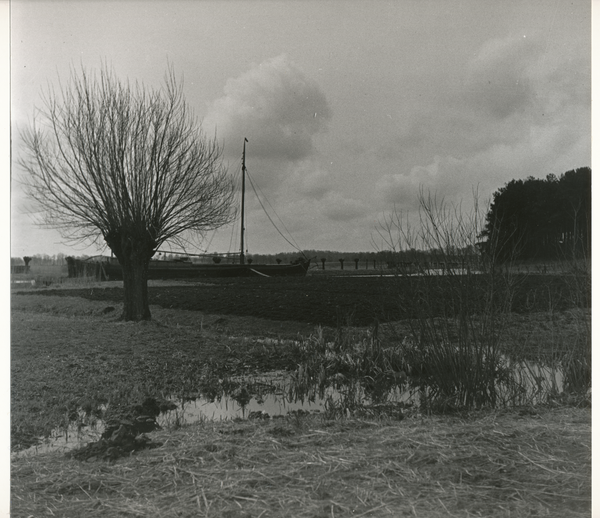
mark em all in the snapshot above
pixel 242 259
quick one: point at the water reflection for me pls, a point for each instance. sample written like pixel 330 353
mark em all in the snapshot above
pixel 275 395
pixel 63 440
pixel 271 405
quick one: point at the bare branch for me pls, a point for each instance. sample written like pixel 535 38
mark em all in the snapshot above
pixel 107 158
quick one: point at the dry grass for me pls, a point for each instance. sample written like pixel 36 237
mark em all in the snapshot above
pixel 489 464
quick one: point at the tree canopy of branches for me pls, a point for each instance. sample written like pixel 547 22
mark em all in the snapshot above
pixel 542 219
pixel 107 159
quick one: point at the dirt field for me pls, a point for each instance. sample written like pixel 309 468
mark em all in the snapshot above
pixel 328 300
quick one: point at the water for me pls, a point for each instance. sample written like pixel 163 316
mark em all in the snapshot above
pixel 199 410
pixel 269 406
pixel 271 403
pixel 426 273
pixel 269 400
pixel 63 441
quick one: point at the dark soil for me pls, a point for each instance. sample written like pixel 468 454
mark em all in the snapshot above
pixel 357 301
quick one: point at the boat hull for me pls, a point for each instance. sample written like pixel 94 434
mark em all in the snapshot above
pixel 164 270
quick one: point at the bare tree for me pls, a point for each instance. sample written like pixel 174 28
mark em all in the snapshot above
pixel 111 160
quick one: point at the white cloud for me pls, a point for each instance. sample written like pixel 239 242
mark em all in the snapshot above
pixel 521 112
pixel 309 180
pixel 403 189
pixel 276 106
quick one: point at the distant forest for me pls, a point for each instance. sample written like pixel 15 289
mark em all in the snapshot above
pixel 380 258
pixel 531 219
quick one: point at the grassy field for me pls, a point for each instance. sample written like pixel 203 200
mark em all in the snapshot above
pixel 69 351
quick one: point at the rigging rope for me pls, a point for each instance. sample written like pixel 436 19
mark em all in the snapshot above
pixel 210 241
pixel 295 245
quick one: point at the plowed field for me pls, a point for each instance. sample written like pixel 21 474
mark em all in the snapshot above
pixel 335 300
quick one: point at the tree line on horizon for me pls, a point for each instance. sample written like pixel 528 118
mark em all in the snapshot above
pixel 531 219
pixel 284 257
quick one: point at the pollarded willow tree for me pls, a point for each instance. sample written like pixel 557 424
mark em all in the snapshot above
pixel 107 159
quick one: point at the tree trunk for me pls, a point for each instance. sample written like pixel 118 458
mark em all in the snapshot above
pixel 135 287
pixel 133 251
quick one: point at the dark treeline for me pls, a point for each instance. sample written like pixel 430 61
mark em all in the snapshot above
pixel 284 257
pixel 542 218
pixel 380 259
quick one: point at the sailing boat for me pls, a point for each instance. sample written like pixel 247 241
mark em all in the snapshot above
pixel 185 268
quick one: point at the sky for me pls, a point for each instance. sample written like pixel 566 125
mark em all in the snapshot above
pixel 350 108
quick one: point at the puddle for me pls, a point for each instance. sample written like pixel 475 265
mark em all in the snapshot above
pixel 270 406
pixel 61 441
pixel 200 410
pixel 271 399
pixel 272 402
pixel 534 376
pixel 271 396
pixel 427 273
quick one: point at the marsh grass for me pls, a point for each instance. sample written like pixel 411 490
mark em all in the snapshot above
pixel 358 368
pixel 355 364
pixel 457 345
pixel 492 464
pixel 73 362
pixel 71 358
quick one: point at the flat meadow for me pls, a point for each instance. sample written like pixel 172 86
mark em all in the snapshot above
pixel 522 451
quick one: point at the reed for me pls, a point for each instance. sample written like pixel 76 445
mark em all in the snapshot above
pixel 356 364
pixel 460 303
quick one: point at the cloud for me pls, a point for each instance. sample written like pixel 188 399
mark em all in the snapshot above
pixel 337 207
pixel 309 180
pixel 275 106
pixel 498 79
pixel 403 189
pixel 520 111
pixel 488 169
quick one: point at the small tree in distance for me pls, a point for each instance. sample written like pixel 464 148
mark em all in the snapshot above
pixel 126 164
